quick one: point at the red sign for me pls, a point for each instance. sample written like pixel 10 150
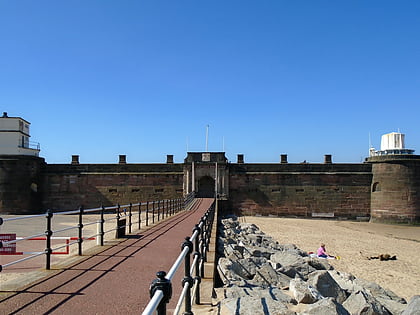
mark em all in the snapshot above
pixel 8 249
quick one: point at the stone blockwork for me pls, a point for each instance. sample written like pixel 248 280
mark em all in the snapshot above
pixel 318 190
pixel 21 189
pixel 92 185
pixel 395 188
pixel 384 188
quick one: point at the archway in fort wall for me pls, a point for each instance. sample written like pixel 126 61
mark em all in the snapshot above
pixel 206 187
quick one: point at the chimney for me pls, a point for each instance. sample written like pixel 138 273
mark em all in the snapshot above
pixel 169 159
pixel 122 159
pixel 283 158
pixel 74 159
pixel 240 159
pixel 327 159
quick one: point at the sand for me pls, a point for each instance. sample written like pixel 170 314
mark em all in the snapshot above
pixel 354 242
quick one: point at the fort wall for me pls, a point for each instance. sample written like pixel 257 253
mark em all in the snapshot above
pixel 395 188
pixel 305 190
pixel 383 189
pixel 21 188
pixel 91 185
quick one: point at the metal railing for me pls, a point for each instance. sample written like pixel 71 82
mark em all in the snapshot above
pixel 122 216
pixel 30 145
pixel 161 288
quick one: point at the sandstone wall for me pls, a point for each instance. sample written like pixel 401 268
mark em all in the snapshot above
pixel 396 188
pixel 386 187
pixel 20 184
pixel 338 190
pixel 69 186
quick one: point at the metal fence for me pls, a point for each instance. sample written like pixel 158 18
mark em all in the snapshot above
pixel 116 219
pixel 161 287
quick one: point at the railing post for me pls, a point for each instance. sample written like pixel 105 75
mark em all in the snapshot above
pixel 101 232
pixel 147 214
pixel 174 202
pixel 117 212
pixel 158 210
pixel 187 279
pixel 80 226
pixel 48 234
pixel 206 237
pixel 129 217
pixel 153 212
pixel 139 215
pixel 163 284
pixel 197 254
pixel 202 246
pixel 172 207
pixel 168 207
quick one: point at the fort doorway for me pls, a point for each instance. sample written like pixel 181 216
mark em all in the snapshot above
pixel 205 187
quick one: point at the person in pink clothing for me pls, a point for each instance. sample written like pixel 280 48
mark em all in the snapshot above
pixel 322 253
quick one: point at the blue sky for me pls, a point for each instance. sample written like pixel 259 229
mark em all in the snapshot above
pixel 145 78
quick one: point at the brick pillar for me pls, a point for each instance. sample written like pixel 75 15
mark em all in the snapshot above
pixel 74 159
pixel 240 158
pixel 327 159
pixel 283 158
pixel 169 159
pixel 123 159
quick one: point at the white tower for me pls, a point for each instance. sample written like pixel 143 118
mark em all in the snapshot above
pixel 392 144
pixel 14 137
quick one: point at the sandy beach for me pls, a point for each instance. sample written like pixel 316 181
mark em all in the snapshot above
pixel 354 242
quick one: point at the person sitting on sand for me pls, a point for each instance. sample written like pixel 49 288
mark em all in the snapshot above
pixel 322 253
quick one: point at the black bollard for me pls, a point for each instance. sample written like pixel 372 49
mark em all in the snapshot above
pixel 163 284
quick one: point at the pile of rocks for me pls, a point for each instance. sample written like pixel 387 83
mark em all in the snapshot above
pixel 261 276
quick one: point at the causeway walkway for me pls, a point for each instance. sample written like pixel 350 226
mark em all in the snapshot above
pixel 115 280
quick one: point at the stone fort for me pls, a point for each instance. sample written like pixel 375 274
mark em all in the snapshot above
pixel 384 188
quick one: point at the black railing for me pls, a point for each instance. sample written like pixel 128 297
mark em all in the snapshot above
pixel 30 145
pixel 108 219
pixel 198 245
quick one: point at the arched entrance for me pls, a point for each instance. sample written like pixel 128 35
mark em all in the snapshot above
pixel 205 187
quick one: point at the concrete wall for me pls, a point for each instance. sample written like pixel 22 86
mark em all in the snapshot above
pixel 331 190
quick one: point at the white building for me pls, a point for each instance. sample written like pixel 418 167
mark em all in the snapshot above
pixel 14 137
pixel 391 144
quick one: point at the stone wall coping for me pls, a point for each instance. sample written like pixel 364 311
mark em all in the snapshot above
pixel 302 173
pixel 393 158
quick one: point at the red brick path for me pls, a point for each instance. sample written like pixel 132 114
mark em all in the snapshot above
pixel 115 281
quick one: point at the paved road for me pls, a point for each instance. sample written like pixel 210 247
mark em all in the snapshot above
pixel 115 281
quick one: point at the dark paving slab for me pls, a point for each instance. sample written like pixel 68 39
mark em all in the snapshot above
pixel 114 281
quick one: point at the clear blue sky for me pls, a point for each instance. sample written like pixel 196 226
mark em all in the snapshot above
pixel 144 78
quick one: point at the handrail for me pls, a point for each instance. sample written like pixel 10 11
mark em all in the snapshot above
pixel 161 288
pixel 123 213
